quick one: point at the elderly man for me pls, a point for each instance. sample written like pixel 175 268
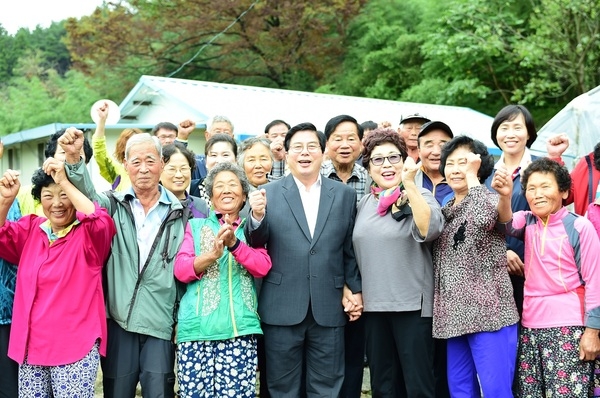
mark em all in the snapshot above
pixel 141 291
pixel 409 129
pixel 431 139
pixel 344 145
pixel 275 131
pixel 218 125
pixel 306 221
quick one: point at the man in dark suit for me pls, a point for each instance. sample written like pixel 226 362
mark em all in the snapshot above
pixel 314 284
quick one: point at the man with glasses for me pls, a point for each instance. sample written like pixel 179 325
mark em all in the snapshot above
pixel 409 129
pixel 314 285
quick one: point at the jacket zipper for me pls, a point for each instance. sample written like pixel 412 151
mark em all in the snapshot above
pixel 170 217
pixel 231 310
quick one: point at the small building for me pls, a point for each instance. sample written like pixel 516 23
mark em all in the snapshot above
pixel 156 99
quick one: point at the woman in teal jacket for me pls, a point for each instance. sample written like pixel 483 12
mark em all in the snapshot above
pixel 218 319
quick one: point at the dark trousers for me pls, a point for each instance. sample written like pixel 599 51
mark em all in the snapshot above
pixel 287 347
pixel 400 350
pixel 133 357
pixel 262 368
pixel 9 369
pixel 440 368
pixel 354 346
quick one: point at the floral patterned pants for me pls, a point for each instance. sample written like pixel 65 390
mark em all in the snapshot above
pixel 75 380
pixel 549 365
pixel 222 368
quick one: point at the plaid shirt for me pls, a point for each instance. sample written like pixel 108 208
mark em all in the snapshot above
pixel 278 170
pixel 359 179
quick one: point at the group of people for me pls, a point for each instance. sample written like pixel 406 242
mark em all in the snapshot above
pixel 299 254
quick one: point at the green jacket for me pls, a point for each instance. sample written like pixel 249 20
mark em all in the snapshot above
pixel 222 304
pixel 139 301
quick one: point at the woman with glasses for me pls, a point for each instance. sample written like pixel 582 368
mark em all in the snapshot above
pixel 395 227
pixel 177 175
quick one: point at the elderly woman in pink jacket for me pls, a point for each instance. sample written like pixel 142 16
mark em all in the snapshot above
pixel 559 340
pixel 59 323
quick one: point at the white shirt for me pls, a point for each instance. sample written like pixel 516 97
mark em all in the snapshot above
pixel 311 197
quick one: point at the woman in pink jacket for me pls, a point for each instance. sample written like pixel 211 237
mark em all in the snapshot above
pixel 59 322
pixel 559 340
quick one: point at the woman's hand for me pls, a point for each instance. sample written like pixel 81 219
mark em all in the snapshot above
pixel 10 184
pixel 502 182
pixel 515 265
pixel 226 233
pixel 557 145
pixel 409 171
pixel 352 303
pixel 589 344
pixel 55 169
pixel 102 111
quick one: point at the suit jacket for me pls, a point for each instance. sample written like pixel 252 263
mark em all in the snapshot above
pixel 306 271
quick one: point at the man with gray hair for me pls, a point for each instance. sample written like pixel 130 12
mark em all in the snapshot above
pixel 140 288
pixel 219 125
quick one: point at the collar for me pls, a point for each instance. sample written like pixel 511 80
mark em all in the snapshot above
pixel 219 216
pixel 52 236
pixel 428 176
pixel 525 161
pixel 301 186
pixel 163 197
pixel 327 169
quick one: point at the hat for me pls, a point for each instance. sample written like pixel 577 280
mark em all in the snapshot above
pixel 415 117
pixel 436 125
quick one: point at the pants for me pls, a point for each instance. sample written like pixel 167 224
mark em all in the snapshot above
pixel 354 347
pixel 63 381
pixel 549 363
pixel 485 356
pixel 220 368
pixel 323 350
pixel 9 369
pixel 400 350
pixel 133 357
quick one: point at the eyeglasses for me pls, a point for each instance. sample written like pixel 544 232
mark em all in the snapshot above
pixel 313 147
pixel 393 159
pixel 173 170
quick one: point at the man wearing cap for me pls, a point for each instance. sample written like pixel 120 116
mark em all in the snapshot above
pixel 431 139
pixel 409 129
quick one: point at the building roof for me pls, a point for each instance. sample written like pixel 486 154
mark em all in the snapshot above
pixel 155 99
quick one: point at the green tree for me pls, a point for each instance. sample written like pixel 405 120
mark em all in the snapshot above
pixel 383 57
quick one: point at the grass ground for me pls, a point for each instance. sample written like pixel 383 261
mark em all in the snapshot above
pixel 365 388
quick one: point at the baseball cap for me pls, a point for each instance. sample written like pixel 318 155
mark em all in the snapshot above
pixel 435 125
pixel 414 117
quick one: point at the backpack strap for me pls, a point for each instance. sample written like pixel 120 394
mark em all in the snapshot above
pixel 113 202
pixel 590 179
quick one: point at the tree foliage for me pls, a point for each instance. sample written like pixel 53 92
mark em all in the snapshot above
pixel 272 43
pixel 481 54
